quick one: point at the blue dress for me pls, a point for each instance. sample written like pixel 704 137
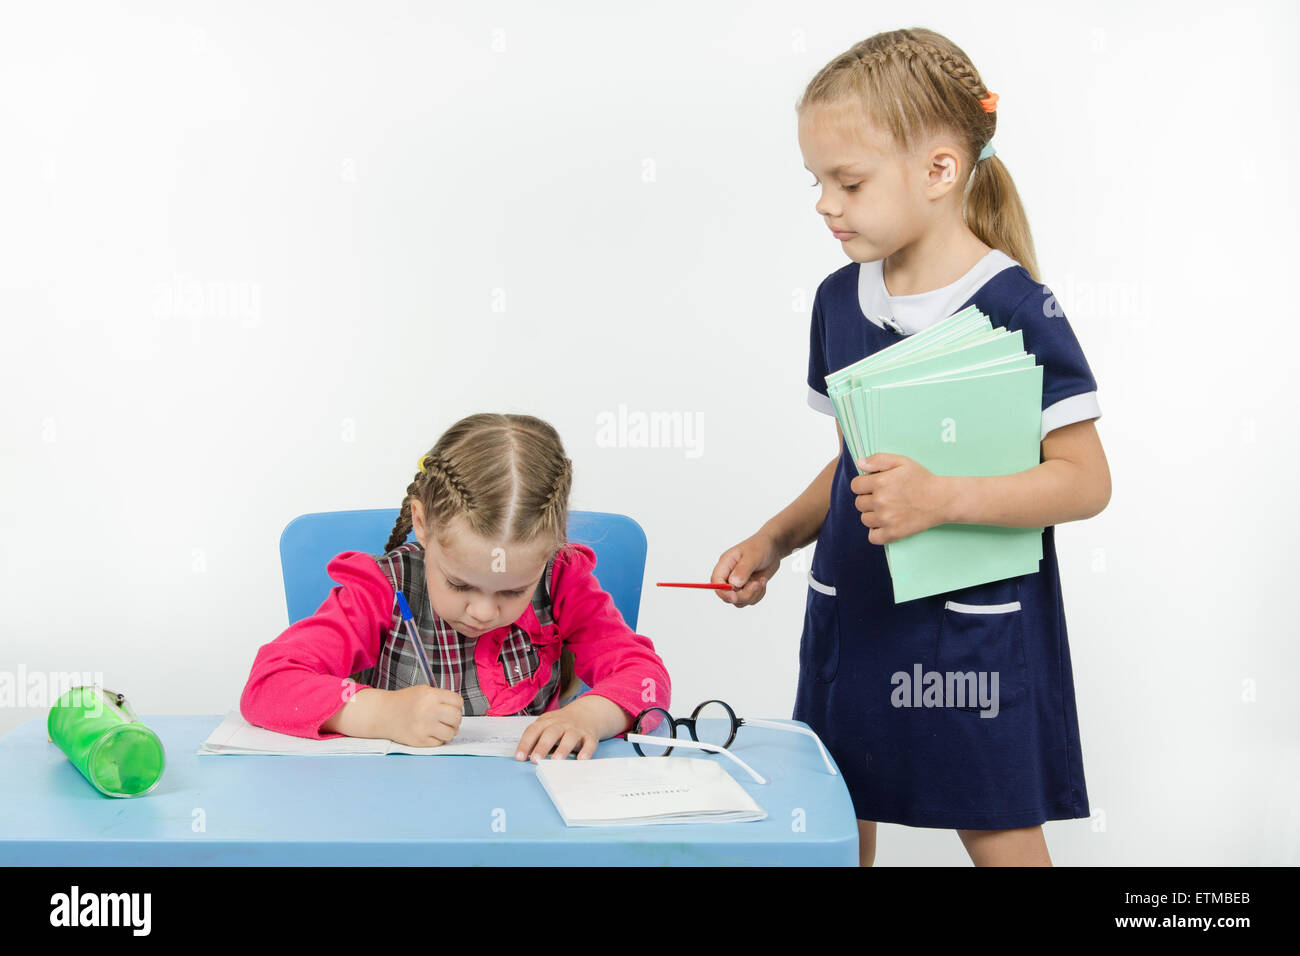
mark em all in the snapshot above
pixel 937 766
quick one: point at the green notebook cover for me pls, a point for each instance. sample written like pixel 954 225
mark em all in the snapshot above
pixel 984 424
pixel 927 370
pixel 928 363
pixel 947 344
pixel 968 324
pixel 1022 361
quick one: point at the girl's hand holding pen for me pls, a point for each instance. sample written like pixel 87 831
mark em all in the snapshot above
pixel 422 716
pixel 898 497
pixel 748 566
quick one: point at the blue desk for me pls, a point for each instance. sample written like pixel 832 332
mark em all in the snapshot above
pixel 392 810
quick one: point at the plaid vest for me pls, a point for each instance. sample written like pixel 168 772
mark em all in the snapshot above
pixel 450 654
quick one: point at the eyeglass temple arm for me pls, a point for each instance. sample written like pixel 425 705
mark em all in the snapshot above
pixel 711 748
pixel 777 725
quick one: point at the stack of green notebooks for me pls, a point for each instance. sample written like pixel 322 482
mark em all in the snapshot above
pixel 962 398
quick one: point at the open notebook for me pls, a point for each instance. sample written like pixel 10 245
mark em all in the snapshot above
pixel 961 398
pixel 478 737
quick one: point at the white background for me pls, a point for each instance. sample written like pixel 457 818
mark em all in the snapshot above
pixel 253 259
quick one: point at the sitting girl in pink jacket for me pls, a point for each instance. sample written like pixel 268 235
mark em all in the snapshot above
pixel 506 610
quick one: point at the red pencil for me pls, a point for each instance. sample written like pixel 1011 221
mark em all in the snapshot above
pixel 679 584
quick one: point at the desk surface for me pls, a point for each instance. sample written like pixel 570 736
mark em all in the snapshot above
pixel 397 809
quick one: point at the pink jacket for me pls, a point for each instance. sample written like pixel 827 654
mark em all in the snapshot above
pixel 297 680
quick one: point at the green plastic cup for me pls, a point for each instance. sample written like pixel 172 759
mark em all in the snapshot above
pixel 105 740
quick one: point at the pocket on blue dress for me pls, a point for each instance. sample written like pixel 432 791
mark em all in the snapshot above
pixel 980 641
pixel 819 648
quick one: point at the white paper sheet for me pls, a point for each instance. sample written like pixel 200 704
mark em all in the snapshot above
pixel 638 791
pixel 477 737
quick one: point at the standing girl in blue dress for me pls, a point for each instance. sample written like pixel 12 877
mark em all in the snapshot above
pixel 897 133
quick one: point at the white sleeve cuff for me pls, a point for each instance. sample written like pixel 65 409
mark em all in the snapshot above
pixel 1076 408
pixel 820 402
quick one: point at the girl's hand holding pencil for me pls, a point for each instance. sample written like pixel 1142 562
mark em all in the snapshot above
pixel 747 567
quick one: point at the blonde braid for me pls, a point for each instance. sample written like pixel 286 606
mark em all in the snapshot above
pixel 557 501
pixel 403 526
pixel 955 67
pixel 556 515
pixel 443 477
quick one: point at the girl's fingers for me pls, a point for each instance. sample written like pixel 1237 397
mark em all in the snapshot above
pixel 752 590
pixel 741 573
pixel 572 738
pixel 735 567
pixel 528 738
pixel 442 729
pixel 722 571
pixel 544 738
pixel 451 720
pixel 724 566
pixel 741 596
pixel 730 597
pixel 544 743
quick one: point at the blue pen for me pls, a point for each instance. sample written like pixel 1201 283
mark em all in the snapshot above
pixel 409 619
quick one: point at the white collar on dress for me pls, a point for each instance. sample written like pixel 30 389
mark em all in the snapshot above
pixel 907 314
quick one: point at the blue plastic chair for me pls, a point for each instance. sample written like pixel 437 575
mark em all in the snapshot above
pixel 310 541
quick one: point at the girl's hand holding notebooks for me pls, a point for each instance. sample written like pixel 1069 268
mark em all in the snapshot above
pixel 899 497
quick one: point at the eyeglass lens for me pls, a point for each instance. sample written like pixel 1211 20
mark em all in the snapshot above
pixel 714 723
pixel 655 723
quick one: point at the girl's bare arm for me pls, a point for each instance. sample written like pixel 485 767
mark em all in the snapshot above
pixel 1071 483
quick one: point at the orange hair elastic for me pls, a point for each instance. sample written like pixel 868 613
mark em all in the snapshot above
pixel 990 103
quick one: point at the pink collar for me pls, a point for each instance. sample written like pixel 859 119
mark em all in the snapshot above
pixel 503 698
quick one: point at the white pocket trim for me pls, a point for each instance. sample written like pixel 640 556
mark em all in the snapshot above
pixel 981 608
pixel 819 587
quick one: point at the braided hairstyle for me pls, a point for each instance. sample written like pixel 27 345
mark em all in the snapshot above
pixel 507 476
pixel 915 83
